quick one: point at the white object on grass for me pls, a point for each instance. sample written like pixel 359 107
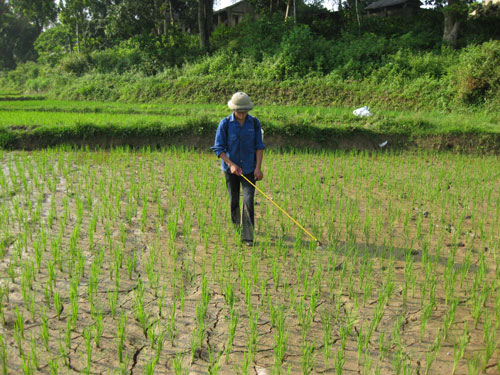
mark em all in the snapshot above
pixel 383 144
pixel 362 112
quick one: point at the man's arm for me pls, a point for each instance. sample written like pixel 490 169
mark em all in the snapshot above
pixel 235 169
pixel 258 175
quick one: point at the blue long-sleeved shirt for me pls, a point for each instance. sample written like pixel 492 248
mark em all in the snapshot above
pixel 239 142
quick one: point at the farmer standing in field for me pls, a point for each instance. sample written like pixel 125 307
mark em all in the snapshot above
pixel 238 143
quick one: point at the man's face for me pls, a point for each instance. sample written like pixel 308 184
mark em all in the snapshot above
pixel 241 115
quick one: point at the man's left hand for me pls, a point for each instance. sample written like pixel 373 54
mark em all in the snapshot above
pixel 258 175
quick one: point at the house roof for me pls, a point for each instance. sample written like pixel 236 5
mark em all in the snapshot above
pixel 385 3
pixel 229 6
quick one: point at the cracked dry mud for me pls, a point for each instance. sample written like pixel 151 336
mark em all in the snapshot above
pixel 167 212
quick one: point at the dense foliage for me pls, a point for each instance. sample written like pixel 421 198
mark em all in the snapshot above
pixel 324 58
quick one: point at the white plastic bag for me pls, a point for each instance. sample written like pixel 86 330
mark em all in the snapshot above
pixel 362 112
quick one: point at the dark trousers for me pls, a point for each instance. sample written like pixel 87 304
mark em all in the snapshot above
pixel 247 219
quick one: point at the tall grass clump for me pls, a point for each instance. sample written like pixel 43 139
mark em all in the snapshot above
pixel 478 74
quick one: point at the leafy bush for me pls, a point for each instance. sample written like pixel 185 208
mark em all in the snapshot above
pixel 301 52
pixel 357 56
pixel 407 65
pixel 76 63
pixel 173 49
pixel 51 45
pixel 18 77
pixel 146 53
pixel 116 60
pixel 478 73
pixel 253 39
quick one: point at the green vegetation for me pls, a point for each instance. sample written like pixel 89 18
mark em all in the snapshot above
pixel 408 276
pixel 326 59
pixel 35 123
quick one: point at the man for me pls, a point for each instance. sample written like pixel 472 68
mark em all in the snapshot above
pixel 238 143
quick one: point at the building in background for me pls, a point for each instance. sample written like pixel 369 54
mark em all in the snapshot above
pixel 233 14
pixel 386 8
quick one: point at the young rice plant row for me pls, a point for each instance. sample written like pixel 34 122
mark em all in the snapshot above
pixel 121 262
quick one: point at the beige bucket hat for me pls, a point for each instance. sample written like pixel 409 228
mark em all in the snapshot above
pixel 240 102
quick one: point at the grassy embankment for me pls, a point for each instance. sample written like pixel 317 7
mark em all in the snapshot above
pixel 31 122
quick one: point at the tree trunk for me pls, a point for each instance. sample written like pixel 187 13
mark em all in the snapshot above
pixel 451 29
pixel 453 16
pixel 165 18
pixel 205 14
pixel 171 13
pixel 77 37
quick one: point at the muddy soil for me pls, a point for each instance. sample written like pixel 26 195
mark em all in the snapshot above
pixel 162 259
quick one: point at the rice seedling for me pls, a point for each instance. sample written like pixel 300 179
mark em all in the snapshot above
pixel 213 360
pixel 120 337
pixel 431 354
pixel 308 357
pixel 426 314
pixel 26 365
pixel 19 324
pixel 67 339
pixel 98 328
pixel 87 335
pixel 449 318
pixel 3 356
pixel 280 339
pixel 473 364
pixel 339 361
pixel 490 341
pixel 171 328
pixel 44 331
pixel 112 299
pixel 149 369
pixel 177 365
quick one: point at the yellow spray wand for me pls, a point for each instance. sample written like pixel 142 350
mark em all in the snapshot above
pixel 282 210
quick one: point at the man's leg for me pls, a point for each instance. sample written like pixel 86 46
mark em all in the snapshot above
pixel 233 188
pixel 248 208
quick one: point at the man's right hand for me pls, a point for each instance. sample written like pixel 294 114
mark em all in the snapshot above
pixel 236 170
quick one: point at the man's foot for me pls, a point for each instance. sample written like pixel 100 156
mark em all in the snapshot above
pixel 249 243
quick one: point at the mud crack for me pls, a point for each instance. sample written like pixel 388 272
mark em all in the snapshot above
pixel 136 354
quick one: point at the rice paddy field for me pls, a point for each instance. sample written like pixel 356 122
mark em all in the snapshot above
pixel 124 261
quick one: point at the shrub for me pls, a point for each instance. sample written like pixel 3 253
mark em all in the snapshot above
pixel 116 60
pixel 22 73
pixel 173 49
pixel 76 63
pixel 301 52
pixel 357 56
pixel 408 65
pixel 253 39
pixel 478 73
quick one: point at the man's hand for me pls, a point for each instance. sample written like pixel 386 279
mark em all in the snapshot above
pixel 258 175
pixel 236 170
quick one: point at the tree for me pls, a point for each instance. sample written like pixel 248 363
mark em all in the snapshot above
pixel 205 15
pixel 16 38
pixel 53 44
pixel 88 20
pixel 74 14
pixel 39 12
pixel 454 15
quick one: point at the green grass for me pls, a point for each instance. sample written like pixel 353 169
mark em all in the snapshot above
pixel 51 119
